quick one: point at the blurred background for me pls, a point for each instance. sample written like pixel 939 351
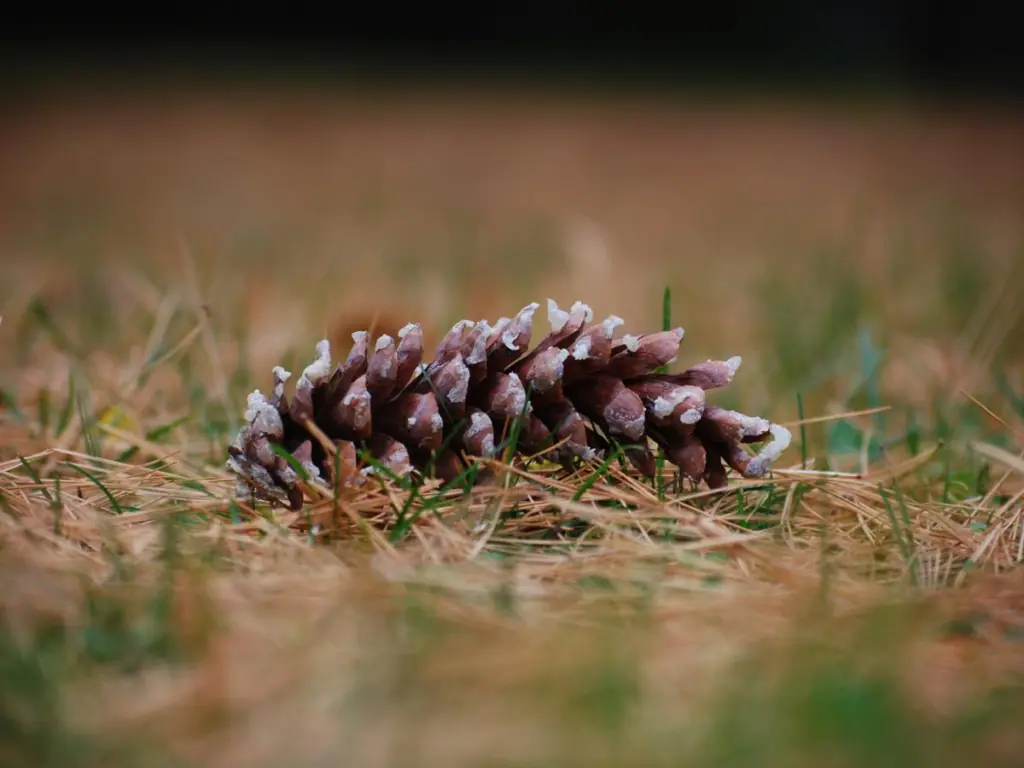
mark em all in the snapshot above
pixel 814 183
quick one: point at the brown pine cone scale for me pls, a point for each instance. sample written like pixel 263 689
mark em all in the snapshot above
pixel 579 391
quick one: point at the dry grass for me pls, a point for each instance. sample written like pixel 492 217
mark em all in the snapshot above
pixel 862 605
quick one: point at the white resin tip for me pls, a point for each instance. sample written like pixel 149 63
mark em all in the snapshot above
pixel 588 313
pixel 581 349
pixel 770 453
pixel 610 324
pixel 557 317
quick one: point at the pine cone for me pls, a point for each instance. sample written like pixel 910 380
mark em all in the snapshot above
pixel 578 392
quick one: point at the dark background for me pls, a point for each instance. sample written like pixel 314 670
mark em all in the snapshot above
pixel 963 48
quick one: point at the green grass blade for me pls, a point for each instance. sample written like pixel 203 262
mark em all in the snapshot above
pixel 285 454
pixel 95 481
pixel 901 536
pixel 404 520
pixel 92 446
pixel 154 436
pixel 43 406
pixel 336 495
pixel 598 473
pixel 57 506
pixel 31 471
pixel 69 407
pixel 8 401
pixel 41 314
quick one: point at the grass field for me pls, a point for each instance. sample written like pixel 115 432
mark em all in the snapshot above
pixel 863 605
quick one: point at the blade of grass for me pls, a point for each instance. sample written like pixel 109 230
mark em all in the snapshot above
pixel 88 428
pixel 403 520
pixel 666 325
pixel 464 479
pixel 69 407
pixel 666 318
pixel 336 496
pixel 515 428
pixel 455 431
pixel 154 436
pixel 95 481
pixel 8 401
pixel 598 473
pixel 41 314
pixel 43 406
pixel 57 506
pixel 285 454
pixel 297 467
pixel 195 485
pixel 31 471
pixel 659 475
pixel 404 482
pixel 407 484
pixel 946 481
pixel 1006 389
pixel 905 549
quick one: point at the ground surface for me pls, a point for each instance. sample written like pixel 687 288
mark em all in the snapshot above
pixel 162 251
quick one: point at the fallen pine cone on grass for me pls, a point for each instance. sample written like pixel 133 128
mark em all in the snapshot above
pixel 580 391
